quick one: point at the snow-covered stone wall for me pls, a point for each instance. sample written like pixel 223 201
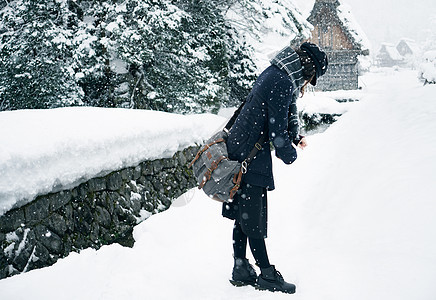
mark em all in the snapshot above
pixel 98 212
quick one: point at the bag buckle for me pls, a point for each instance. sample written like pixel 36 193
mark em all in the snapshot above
pixel 244 167
pixel 258 146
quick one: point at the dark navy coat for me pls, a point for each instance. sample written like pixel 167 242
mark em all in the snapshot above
pixel 268 107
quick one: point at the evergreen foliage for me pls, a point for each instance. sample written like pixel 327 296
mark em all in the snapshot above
pixel 170 55
pixel 35 56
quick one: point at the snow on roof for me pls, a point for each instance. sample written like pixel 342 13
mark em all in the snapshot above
pixel 411 43
pixel 348 20
pixel 430 55
pixel 392 51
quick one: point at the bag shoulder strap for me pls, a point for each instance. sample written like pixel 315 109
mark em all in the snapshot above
pixel 257 146
pixel 233 118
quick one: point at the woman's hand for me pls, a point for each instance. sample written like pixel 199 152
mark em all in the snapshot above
pixel 303 143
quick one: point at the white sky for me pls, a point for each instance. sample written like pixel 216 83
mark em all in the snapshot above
pixel 389 20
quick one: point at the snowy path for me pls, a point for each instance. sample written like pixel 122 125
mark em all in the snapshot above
pixel 353 218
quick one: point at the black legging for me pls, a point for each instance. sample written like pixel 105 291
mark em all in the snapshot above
pixel 257 246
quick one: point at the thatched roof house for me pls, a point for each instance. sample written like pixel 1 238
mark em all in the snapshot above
pixel 337 32
pixel 407 47
pixel 388 56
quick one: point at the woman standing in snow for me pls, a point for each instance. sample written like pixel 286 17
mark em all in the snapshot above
pixel 270 107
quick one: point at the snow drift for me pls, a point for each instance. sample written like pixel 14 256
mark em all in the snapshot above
pixel 50 150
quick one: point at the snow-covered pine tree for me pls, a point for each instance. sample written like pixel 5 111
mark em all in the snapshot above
pixel 94 48
pixel 211 45
pixel 171 55
pixel 165 47
pixel 163 55
pixel 35 56
pixel 266 25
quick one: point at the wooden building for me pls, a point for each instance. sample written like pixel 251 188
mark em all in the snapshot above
pixel 407 47
pixel 388 56
pixel 336 31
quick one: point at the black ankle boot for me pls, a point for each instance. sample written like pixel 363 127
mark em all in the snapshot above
pixel 243 273
pixel 271 279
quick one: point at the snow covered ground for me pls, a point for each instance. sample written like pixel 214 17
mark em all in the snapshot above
pixel 352 218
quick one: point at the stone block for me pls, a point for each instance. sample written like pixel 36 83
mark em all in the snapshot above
pixel 12 220
pixel 57 224
pixel 136 172
pixel 102 216
pixel 68 246
pixel 127 174
pixel 67 212
pixel 135 205
pixel 114 181
pixel 158 186
pixel 74 193
pixel 125 238
pixel 158 165
pixel 182 158
pixel 24 254
pixel 84 213
pixel 115 221
pixel 37 210
pixel 148 206
pixel 106 236
pixel 82 227
pixel 126 217
pixel 43 257
pixel 97 184
pixel 167 163
pixel 126 191
pixel 190 153
pixel 125 202
pixel 175 160
pixel 188 175
pixel 94 234
pixel 112 199
pixel 133 187
pixel 82 190
pixel 100 198
pixel 178 174
pixel 142 180
pixel 147 168
pixel 3 265
pixel 80 242
pixel 171 181
pixel 50 240
pixel 144 196
pixel 166 202
pixel 57 200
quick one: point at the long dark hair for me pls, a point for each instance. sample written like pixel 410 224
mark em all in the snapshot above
pixel 303 88
pixel 308 70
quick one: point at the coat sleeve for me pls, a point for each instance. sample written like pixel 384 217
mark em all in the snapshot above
pixel 278 109
pixel 293 124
